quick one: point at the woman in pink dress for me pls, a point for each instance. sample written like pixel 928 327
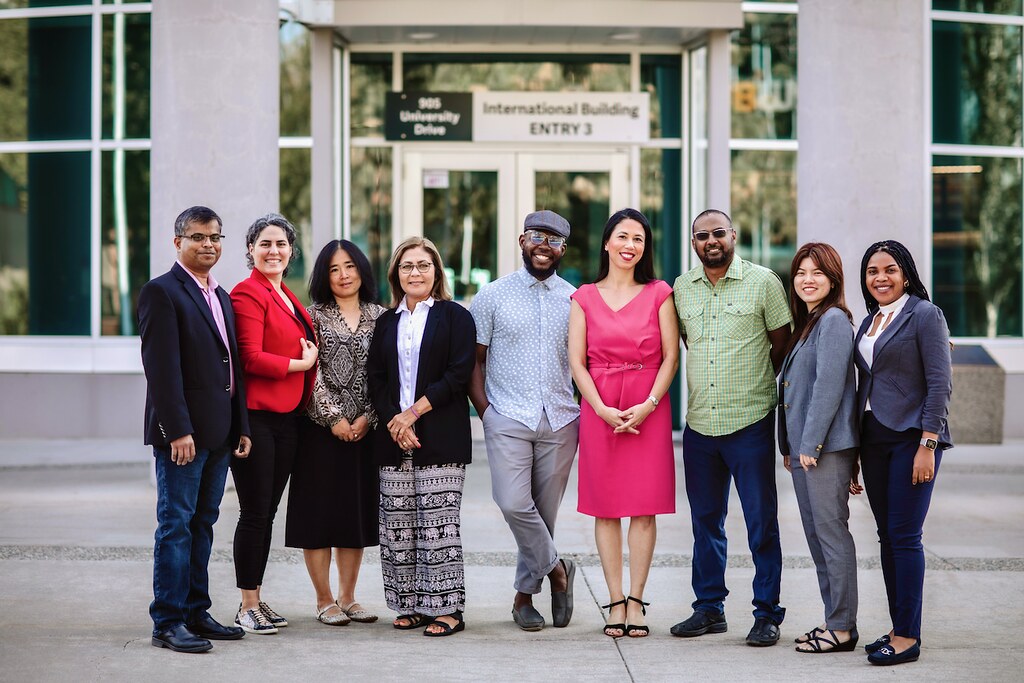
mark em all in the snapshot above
pixel 624 352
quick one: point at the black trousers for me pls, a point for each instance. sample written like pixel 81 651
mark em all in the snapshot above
pixel 260 480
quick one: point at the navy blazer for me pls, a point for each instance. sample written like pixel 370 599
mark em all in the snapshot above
pixel 818 391
pixel 447 359
pixel 186 363
pixel 910 378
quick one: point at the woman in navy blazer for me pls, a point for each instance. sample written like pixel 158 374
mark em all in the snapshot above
pixel 818 428
pixel 903 355
pixel 275 341
pixel 421 358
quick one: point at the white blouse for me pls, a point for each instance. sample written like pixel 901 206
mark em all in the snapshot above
pixel 410 337
pixel 866 346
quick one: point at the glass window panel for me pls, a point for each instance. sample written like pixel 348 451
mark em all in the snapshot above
pixel 370 79
pixel 976 244
pixel 976 84
pixel 20 4
pixel 763 196
pixel 124 238
pixel 371 209
pixel 515 72
pixel 986 6
pixel 296 206
pixel 133 72
pixel 764 78
pixel 44 78
pixel 661 202
pixel 462 220
pixel 661 76
pixel 583 198
pixel 296 91
pixel 45 243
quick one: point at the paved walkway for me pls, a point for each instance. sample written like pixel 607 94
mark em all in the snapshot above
pixel 76 523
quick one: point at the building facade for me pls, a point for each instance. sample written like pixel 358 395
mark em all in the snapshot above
pixel 379 119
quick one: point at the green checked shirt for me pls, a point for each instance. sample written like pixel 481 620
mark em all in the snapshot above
pixel 729 375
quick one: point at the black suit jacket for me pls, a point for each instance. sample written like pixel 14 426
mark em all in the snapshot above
pixel 186 364
pixel 447 357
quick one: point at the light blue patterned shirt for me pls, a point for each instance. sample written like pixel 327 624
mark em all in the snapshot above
pixel 524 323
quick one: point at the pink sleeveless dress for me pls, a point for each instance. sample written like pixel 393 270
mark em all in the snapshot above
pixel 625 475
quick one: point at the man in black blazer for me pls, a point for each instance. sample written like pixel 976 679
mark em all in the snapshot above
pixel 195 414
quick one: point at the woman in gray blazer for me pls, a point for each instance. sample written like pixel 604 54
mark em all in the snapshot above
pixel 818 430
pixel 903 355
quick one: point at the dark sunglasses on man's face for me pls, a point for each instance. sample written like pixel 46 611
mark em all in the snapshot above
pixel 703 235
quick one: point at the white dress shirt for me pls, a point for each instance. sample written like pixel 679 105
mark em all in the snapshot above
pixel 410 337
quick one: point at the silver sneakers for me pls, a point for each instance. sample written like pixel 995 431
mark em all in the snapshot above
pixel 254 621
pixel 272 616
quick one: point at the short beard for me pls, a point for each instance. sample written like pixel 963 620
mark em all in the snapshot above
pixel 541 274
pixel 722 260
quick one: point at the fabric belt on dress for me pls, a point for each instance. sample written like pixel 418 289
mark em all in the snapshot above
pixel 621 367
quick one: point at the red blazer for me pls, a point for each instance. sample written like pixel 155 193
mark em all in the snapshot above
pixel 268 337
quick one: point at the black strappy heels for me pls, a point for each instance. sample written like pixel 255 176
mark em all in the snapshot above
pixel 635 630
pixel 609 629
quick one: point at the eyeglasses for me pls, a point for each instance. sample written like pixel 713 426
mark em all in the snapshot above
pixel 199 237
pixel 703 235
pixel 539 238
pixel 422 266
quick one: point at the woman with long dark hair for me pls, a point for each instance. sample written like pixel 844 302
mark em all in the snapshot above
pixel 818 436
pixel 903 357
pixel 333 498
pixel 623 353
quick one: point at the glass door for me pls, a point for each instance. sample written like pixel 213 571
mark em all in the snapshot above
pixel 471 205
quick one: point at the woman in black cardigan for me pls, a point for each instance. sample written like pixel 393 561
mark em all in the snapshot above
pixel 420 362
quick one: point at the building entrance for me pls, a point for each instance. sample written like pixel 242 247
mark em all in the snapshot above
pixel 472 203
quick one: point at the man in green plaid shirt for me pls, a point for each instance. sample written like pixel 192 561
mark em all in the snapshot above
pixel 735 322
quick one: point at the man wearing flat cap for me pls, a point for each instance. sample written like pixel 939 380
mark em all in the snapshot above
pixel 522 389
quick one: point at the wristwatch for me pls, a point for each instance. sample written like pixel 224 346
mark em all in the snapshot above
pixel 930 444
pixel 653 400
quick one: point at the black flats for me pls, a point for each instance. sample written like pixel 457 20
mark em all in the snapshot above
pixel 875 646
pixel 886 655
pixel 700 623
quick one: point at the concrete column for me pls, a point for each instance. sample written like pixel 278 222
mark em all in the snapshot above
pixel 719 120
pixel 215 121
pixel 322 128
pixel 861 112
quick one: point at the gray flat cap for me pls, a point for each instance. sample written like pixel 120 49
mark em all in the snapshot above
pixel 547 220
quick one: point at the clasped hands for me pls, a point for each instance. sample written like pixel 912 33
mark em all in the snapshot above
pixel 402 432
pixel 351 431
pixel 628 420
pixel 807 462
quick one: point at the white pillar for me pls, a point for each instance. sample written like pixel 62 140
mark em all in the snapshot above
pixel 719 121
pixel 322 128
pixel 215 121
pixel 861 169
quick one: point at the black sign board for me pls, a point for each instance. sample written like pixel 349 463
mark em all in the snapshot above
pixel 428 116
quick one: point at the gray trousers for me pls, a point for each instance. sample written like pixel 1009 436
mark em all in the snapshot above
pixel 823 495
pixel 529 471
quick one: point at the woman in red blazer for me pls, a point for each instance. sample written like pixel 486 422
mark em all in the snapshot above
pixel 276 343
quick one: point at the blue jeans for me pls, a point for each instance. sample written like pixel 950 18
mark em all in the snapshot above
pixel 899 508
pixel 710 463
pixel 187 506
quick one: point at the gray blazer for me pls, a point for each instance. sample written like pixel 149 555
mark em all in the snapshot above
pixel 818 391
pixel 911 377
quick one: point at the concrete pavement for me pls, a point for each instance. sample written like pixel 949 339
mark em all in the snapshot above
pixel 76 524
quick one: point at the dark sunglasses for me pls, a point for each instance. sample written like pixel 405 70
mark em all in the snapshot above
pixel 703 235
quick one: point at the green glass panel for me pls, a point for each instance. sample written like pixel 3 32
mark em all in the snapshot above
pixel 22 4
pixel 763 196
pixel 44 243
pixel 515 72
pixel 976 84
pixel 462 220
pixel 371 209
pixel 583 198
pixel 764 77
pixel 661 76
pixel 134 70
pixel 44 78
pixel 986 6
pixel 124 238
pixel 976 244
pixel 370 80
pixel 296 91
pixel 296 206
